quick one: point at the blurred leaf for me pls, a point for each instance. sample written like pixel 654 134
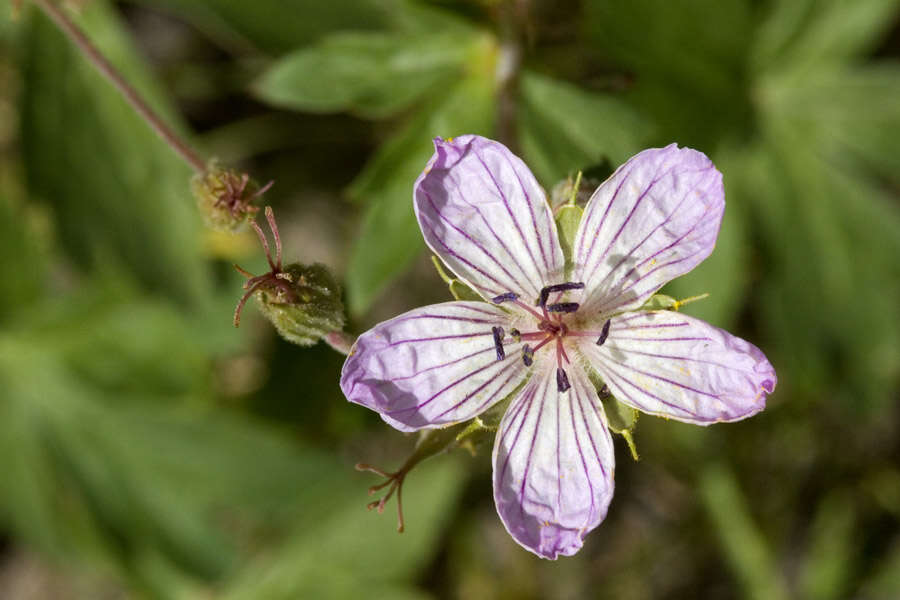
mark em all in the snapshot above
pixel 373 74
pixel 689 76
pixel 390 238
pixel 745 547
pixel 277 26
pixel 563 128
pixel 885 581
pixel 120 195
pixel 833 548
pixel 726 274
pixel 90 476
pixel 848 115
pixel 21 260
pixel 802 34
pixel 344 551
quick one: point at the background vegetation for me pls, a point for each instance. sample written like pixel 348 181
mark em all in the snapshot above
pixel 148 449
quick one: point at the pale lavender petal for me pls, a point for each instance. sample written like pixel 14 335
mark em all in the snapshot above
pixel 553 465
pixel 668 364
pixel 656 218
pixel 483 212
pixel 433 366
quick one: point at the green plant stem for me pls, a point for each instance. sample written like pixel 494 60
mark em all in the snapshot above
pixel 87 48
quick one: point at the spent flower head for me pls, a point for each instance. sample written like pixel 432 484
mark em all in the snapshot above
pixel 550 329
pixel 303 302
pixel 225 197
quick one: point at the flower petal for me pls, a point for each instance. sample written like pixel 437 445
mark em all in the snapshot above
pixel 657 217
pixel 433 366
pixel 668 364
pixel 553 465
pixel 483 212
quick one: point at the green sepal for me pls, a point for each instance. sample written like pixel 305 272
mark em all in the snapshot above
pixel 458 289
pixel 663 302
pixel 620 418
pixel 315 311
pixel 660 302
pixel 568 218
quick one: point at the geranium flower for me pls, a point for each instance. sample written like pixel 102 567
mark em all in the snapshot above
pixel 545 326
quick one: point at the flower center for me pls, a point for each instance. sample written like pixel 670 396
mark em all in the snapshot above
pixel 551 327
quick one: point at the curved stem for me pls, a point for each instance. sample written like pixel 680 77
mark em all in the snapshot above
pixel 87 48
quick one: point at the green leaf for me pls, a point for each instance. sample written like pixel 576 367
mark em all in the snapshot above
pixel 372 74
pixel 563 128
pixel 833 548
pixel 802 34
pixel 568 218
pixel 745 546
pixel 390 238
pixel 91 475
pixel 687 58
pixel 342 548
pixel 119 194
pixel 724 275
pixel 22 260
pixel 277 26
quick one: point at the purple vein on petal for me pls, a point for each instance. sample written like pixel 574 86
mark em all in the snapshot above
pixel 624 224
pixel 661 378
pixel 511 367
pixel 648 236
pixel 579 391
pixel 442 365
pixel 437 338
pixel 511 215
pixel 531 447
pixel 490 364
pixel 640 405
pixel 509 252
pixel 474 242
pixel 599 227
pixel 490 292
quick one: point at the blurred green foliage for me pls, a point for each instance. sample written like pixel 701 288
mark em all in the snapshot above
pixel 145 442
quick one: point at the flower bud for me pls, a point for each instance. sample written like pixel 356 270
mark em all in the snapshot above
pixel 226 198
pixel 307 308
pixel 302 302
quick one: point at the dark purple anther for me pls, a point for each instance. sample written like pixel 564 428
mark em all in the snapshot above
pixel 516 335
pixel 507 297
pixel 559 287
pixel 604 392
pixel 562 380
pixel 498 342
pixel 604 333
pixel 527 355
pixel 563 307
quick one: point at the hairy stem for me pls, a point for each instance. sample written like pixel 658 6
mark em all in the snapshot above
pixel 87 48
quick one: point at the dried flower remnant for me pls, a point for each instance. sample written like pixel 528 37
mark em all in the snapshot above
pixel 303 302
pixel 550 329
pixel 226 198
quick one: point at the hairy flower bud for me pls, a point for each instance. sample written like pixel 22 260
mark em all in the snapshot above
pixel 226 198
pixel 308 308
pixel 302 302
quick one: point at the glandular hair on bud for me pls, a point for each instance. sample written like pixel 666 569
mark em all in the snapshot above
pixel 312 308
pixel 226 198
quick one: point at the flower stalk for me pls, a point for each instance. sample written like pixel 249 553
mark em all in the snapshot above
pixel 96 58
